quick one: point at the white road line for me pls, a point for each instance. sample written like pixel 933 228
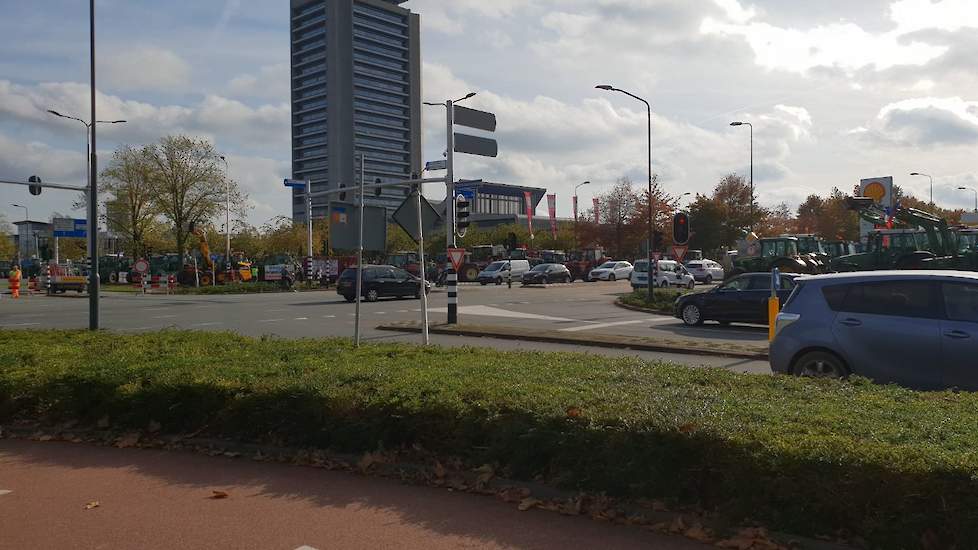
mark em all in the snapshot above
pixel 617 324
pixel 20 325
pixel 381 313
pixel 270 320
pixel 164 317
pixel 5 492
pixel 275 310
pixel 205 324
pixel 494 312
pixel 329 317
pixel 404 310
pixel 301 319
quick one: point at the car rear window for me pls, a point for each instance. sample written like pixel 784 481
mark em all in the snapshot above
pixel 835 296
pixel 694 265
pixel 893 298
pixel 961 301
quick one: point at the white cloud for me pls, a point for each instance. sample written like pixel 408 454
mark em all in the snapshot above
pixel 270 82
pixel 946 15
pixel 931 121
pixel 147 69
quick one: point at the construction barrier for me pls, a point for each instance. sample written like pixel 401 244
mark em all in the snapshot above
pixel 149 284
pixel 31 286
pixel 47 278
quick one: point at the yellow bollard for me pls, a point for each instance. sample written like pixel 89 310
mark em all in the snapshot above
pixel 773 307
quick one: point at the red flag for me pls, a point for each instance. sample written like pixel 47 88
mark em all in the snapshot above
pixel 552 207
pixel 528 198
pixel 597 217
pixel 575 208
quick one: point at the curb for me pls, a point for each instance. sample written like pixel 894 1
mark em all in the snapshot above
pixel 623 305
pixel 553 337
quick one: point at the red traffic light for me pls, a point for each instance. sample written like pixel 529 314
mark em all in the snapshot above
pixel 680 228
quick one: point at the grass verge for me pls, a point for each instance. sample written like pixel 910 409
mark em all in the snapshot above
pixel 240 288
pixel 804 456
pixel 662 302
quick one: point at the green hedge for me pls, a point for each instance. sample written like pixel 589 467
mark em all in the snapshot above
pixel 663 299
pixel 806 456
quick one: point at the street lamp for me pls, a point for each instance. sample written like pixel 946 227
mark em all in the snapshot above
pixel 751 126
pixel 931 184
pixel 962 188
pixel 576 187
pixel 227 216
pixel 449 171
pixel 27 218
pixel 651 221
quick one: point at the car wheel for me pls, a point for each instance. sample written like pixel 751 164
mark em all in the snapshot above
pixel 664 284
pixel 692 316
pixel 820 364
pixel 483 283
pixel 691 285
pixel 349 298
pixel 546 280
pixel 611 277
pixel 372 295
pixel 709 279
pixel 499 281
pixel 568 279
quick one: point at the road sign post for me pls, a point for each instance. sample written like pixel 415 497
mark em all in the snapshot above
pixel 424 282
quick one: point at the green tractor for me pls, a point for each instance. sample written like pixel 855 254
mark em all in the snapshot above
pixel 768 253
pixel 887 249
pixel 839 248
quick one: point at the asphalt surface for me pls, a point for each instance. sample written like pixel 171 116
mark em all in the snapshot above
pixel 577 308
pixel 151 499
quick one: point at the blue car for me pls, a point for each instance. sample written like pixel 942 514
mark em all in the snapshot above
pixel 918 329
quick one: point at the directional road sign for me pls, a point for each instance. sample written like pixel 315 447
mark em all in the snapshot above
pixel 474 145
pixel 406 216
pixel 433 165
pixel 295 184
pixel 70 228
pixel 456 255
pixel 471 118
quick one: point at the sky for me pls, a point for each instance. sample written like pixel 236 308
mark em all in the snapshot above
pixel 836 91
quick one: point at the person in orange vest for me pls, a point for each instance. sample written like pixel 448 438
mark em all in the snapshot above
pixel 14 280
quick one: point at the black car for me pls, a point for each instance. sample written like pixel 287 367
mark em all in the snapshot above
pixel 742 299
pixel 379 281
pixel 547 273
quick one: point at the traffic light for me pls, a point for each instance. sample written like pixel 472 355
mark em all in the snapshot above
pixel 461 214
pixel 377 190
pixel 657 240
pixel 343 194
pixel 34 189
pixel 511 242
pixel 680 228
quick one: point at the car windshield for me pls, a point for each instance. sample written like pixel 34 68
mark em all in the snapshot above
pixel 541 267
pixel 641 266
pixel 495 266
pixel 607 265
pixel 694 265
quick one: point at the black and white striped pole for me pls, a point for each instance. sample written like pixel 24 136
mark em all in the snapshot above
pixel 451 277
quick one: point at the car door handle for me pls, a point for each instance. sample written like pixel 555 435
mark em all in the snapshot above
pixel 850 322
pixel 957 334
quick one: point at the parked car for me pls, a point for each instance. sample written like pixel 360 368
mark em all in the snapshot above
pixel 671 273
pixel 547 273
pixel 705 271
pixel 742 299
pixel 611 271
pixel 914 328
pixel 503 270
pixel 379 281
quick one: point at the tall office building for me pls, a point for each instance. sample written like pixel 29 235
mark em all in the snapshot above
pixel 356 88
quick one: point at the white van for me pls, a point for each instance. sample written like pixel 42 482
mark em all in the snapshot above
pixel 672 273
pixel 499 272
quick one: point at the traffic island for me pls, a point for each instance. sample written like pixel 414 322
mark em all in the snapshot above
pixel 744 350
pixel 881 466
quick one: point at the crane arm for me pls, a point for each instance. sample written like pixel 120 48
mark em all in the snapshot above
pixel 205 250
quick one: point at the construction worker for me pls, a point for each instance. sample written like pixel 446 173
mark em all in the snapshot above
pixel 15 276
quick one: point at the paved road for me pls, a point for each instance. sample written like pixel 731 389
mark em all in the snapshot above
pixel 155 499
pixel 577 308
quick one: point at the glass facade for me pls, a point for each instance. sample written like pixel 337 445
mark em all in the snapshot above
pixel 488 203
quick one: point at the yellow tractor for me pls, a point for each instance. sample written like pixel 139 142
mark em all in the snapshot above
pixel 209 271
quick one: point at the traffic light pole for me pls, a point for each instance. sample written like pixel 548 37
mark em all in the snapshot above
pixel 451 277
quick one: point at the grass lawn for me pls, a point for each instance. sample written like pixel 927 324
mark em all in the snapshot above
pixel 806 456
pixel 662 302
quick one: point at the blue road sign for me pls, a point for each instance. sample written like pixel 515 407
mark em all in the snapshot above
pixel 70 228
pixel 296 184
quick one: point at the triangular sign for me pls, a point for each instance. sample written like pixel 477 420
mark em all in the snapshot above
pixel 456 255
pixel 679 252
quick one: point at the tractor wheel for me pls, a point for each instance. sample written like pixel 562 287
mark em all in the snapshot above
pixel 470 273
pixel 113 277
pixel 205 280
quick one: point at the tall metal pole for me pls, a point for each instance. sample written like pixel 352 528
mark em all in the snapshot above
pixel 651 218
pixel 452 276
pixel 93 282
pixel 227 215
pixel 309 220
pixel 424 285
pixel 356 328
pixel 751 127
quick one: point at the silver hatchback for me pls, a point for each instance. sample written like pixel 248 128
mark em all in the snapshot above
pixel 914 328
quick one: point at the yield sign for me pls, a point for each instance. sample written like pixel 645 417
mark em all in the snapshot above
pixel 679 252
pixel 456 255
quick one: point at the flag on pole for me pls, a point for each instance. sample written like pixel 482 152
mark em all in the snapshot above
pixel 597 216
pixel 575 208
pixel 528 198
pixel 552 207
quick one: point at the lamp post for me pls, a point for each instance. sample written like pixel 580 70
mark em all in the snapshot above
pixel 227 215
pixel 751 126
pixel 931 183
pixel 651 220
pixel 576 187
pixel 962 188
pixel 27 218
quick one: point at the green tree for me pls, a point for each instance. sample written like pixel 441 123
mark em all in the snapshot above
pixel 188 184
pixel 7 248
pixel 129 210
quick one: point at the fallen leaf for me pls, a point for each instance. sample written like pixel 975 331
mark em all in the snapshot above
pixel 45 437
pixel 232 454
pixel 439 470
pixel 528 503
pixel 678 525
pixel 687 428
pixel 366 461
pixel 573 412
pixel 128 440
pixel 486 473
pixel 103 422
pixel 92 504
pixel 217 495
pixel 698 533
pixel 513 494
pixel 153 427
pixel 751 538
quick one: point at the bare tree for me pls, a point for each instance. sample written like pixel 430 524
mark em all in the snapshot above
pixel 129 209
pixel 189 184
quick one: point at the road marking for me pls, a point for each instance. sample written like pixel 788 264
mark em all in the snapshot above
pixel 164 317
pixel 270 320
pixel 381 313
pixel 329 317
pixel 20 325
pixel 404 310
pixel 305 547
pixel 275 310
pixel 5 492
pixel 494 312
pixel 301 319
pixel 616 324
pixel 205 324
